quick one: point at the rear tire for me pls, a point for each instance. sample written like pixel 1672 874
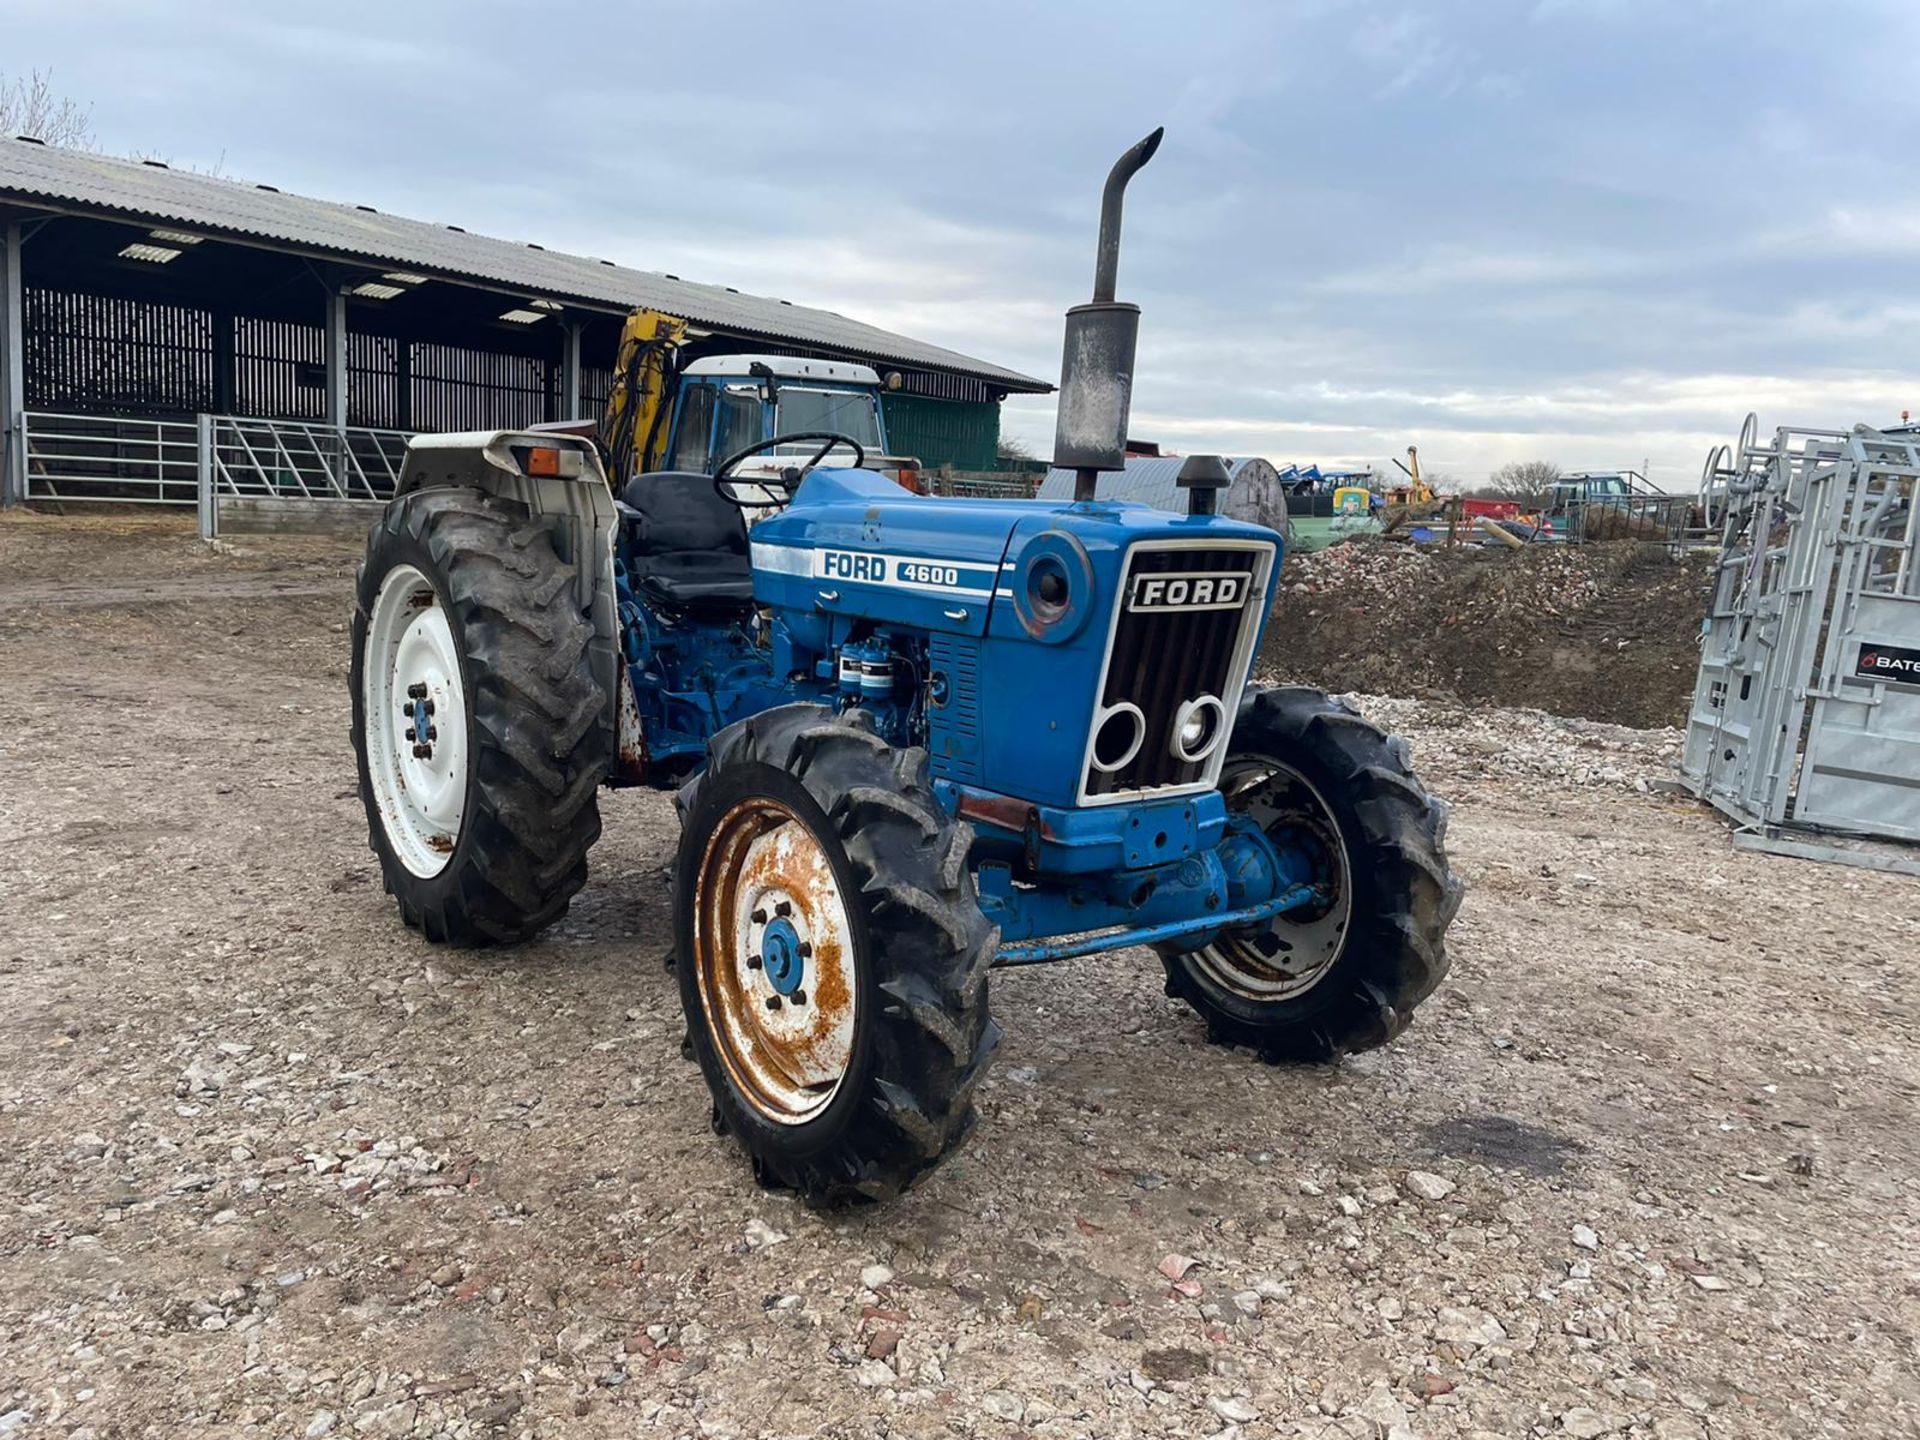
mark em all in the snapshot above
pixel 1346 975
pixel 466 623
pixel 808 836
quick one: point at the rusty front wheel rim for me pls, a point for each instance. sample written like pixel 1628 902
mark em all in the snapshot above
pixel 774 951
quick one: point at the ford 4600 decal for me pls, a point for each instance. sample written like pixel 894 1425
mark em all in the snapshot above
pixel 868 568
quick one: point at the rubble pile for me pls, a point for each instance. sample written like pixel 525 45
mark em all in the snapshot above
pixel 1604 632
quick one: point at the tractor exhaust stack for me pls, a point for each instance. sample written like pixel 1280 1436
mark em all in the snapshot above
pixel 1096 365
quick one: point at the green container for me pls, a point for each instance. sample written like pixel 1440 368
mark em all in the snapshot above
pixel 963 434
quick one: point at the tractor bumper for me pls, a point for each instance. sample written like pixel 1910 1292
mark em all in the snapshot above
pixel 1053 841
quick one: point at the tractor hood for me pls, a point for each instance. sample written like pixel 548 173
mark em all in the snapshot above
pixel 853 543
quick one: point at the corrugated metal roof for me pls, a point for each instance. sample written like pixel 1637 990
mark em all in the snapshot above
pixel 1148 479
pixel 78 182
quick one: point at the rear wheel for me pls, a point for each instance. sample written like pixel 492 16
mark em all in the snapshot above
pixel 480 731
pixel 1345 973
pixel 832 960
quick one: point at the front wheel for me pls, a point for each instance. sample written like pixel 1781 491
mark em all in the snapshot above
pixel 832 959
pixel 1345 973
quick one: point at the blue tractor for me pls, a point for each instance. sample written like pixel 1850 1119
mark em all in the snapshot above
pixel 912 740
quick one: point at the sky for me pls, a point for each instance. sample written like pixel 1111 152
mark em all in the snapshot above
pixel 1595 232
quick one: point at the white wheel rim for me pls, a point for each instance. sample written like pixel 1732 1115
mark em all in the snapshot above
pixel 1283 958
pixel 784 1029
pixel 412 675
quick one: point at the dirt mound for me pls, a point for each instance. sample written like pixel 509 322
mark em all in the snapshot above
pixel 1607 632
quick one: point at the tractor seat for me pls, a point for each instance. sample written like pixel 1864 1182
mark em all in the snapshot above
pixel 689 546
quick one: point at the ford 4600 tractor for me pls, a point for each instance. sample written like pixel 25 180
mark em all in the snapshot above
pixel 913 739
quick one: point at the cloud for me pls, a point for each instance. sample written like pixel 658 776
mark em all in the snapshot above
pixel 1452 266
pixel 1406 49
pixel 1585 229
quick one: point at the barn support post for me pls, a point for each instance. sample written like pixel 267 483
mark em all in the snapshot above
pixel 13 377
pixel 203 477
pixel 224 401
pixel 336 355
pixel 336 359
pixel 403 385
pixel 570 371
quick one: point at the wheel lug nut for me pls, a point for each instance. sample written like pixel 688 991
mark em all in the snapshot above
pixel 429 705
pixel 799 997
pixel 753 962
pixel 759 917
pixel 421 752
pixel 773 1002
pixel 804 949
pixel 433 732
pixel 418 690
pixel 783 908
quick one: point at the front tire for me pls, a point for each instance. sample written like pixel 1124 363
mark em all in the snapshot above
pixel 831 957
pixel 479 730
pixel 1344 974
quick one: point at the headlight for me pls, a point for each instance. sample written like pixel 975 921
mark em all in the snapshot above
pixel 1198 727
pixel 1048 588
pixel 1117 736
pixel 1053 590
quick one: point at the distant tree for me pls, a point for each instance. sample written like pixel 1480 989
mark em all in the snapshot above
pixel 1012 447
pixel 30 106
pixel 1528 481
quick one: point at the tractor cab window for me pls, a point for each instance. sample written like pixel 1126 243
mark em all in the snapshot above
pixel 693 428
pixel 843 412
pixel 740 422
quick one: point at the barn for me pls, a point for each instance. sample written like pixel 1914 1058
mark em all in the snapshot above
pixel 144 309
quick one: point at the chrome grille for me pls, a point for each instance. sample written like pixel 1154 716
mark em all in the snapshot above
pixel 1160 658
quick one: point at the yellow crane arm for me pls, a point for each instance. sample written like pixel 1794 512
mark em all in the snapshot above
pixel 1416 491
pixel 633 430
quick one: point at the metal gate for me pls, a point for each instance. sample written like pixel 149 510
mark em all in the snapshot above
pixel 294 460
pixel 113 458
pixel 1806 711
pixel 274 474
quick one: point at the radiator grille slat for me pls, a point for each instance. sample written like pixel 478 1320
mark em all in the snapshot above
pixel 1161 658
pixel 954 727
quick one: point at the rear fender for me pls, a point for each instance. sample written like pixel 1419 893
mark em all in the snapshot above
pixel 581 501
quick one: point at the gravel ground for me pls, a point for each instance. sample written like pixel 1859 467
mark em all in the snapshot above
pixel 273 1166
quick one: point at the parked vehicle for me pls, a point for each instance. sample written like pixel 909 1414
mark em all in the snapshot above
pixel 912 739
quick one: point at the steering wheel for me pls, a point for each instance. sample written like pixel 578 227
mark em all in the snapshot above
pixel 832 440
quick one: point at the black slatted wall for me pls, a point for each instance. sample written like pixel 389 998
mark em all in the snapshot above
pixel 125 354
pixel 279 370
pixel 456 388
pixel 114 355
pixel 89 354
